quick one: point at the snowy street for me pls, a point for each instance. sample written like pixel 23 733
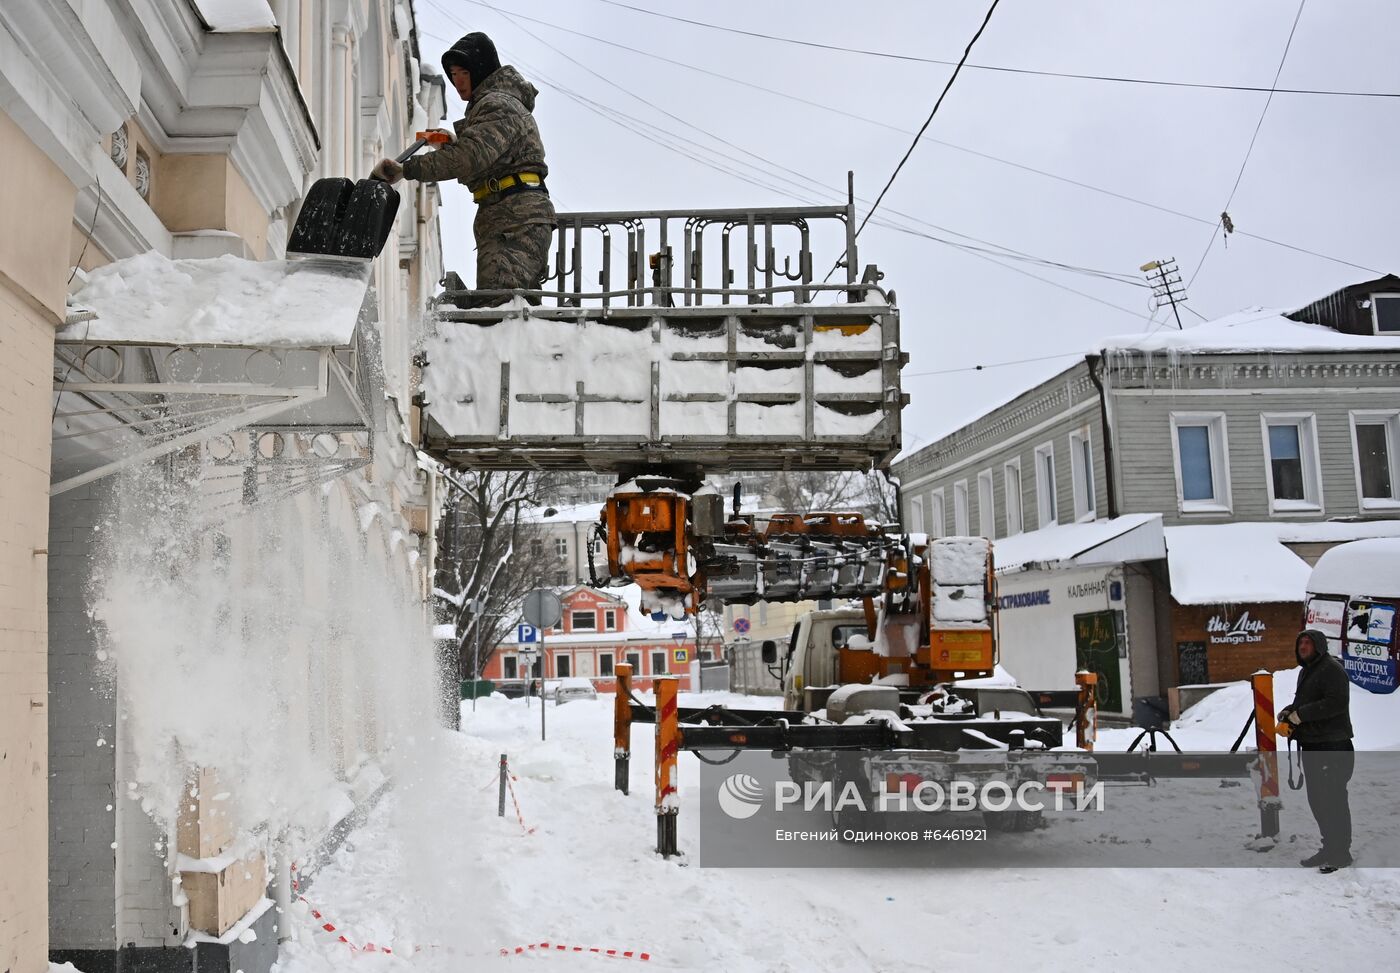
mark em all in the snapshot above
pixel 436 869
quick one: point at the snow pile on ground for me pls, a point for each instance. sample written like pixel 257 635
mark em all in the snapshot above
pixel 436 869
pixel 1215 722
pixel 152 299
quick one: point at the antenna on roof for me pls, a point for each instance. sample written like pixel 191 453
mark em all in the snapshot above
pixel 1167 288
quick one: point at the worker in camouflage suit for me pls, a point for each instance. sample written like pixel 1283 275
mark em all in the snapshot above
pixel 498 155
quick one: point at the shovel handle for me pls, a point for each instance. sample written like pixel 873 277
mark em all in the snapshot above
pixel 407 153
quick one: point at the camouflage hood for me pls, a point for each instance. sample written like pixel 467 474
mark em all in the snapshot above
pixel 508 81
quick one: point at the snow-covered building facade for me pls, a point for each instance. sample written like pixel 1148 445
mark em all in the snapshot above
pixel 1156 505
pixel 601 628
pixel 240 528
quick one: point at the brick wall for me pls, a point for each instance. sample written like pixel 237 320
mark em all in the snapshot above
pixel 26 357
pixel 82 774
pixel 1269 647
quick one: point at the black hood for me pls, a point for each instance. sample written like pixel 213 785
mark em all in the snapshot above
pixel 1319 643
pixel 476 54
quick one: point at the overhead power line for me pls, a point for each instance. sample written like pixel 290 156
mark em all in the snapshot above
pixel 831 109
pixel 1001 68
pixel 808 185
pixel 1283 58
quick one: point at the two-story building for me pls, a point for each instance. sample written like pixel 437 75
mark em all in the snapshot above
pixel 1156 506
pixel 601 628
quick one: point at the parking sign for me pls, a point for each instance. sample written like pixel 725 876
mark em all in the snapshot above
pixel 525 634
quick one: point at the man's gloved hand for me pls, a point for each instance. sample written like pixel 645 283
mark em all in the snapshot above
pixel 451 136
pixel 1294 718
pixel 387 171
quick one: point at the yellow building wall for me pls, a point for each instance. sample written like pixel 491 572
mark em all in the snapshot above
pixel 33 277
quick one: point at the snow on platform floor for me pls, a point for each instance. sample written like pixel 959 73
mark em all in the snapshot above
pixel 436 867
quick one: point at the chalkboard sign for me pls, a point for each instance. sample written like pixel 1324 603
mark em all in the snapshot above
pixel 1191 668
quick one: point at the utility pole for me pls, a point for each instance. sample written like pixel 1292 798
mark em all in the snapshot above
pixel 1165 281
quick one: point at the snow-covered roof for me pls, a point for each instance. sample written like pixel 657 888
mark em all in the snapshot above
pixel 1232 563
pixel 1368 567
pixel 1132 537
pixel 151 299
pixel 1252 330
pixel 1337 531
pixel 234 15
pixel 640 626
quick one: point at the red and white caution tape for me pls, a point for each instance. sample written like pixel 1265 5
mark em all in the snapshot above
pixel 535 949
pixel 510 783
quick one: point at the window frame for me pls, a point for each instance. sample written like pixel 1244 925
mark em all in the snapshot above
pixel 1218 434
pixel 1012 499
pixel 1306 424
pixel 654 654
pixel 561 547
pixel 566 657
pixel 960 512
pixel 610 619
pixel 510 667
pixel 987 519
pixel 606 661
pixel 1044 484
pixel 1081 475
pixel 1389 419
pixel 940 522
pixel 574 614
pixel 916 515
pixel 1375 311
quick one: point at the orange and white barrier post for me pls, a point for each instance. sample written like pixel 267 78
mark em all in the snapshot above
pixel 668 745
pixel 1266 741
pixel 1086 715
pixel 622 728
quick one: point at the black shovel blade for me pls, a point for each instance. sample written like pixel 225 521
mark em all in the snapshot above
pixel 343 218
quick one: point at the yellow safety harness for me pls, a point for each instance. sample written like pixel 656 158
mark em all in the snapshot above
pixel 509 184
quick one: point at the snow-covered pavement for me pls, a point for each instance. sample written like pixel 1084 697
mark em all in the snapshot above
pixel 437 874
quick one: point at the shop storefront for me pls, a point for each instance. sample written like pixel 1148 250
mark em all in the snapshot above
pixel 1224 643
pixel 1055 622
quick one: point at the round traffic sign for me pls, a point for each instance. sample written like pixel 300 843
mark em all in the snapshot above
pixel 542 608
pixel 741 625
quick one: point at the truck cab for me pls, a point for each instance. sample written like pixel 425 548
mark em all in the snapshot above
pixel 812 667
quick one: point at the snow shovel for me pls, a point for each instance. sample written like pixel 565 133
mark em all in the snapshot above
pixel 344 218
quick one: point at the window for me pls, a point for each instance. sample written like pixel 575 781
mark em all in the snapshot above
pixel 537 548
pixel 562 665
pixel 960 508
pixel 1199 449
pixel 1046 500
pixel 1385 313
pixel 512 667
pixel 1081 460
pixel 936 523
pixel 561 547
pixel 584 621
pixel 610 620
pixel 986 505
pixel 1377 436
pixel 1290 462
pixel 1011 486
pixel 916 515
pixel 634 659
pixel 561 578
pixel 658 663
pixel 605 664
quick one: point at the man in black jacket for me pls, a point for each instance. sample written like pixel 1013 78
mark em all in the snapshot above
pixel 1320 721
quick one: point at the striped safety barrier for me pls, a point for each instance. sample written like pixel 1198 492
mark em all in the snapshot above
pixel 536 949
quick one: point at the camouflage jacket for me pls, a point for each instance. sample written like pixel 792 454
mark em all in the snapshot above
pixel 497 138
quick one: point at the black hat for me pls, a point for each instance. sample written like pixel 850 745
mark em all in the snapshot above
pixel 475 54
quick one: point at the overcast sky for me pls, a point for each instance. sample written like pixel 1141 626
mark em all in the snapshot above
pixel 1322 174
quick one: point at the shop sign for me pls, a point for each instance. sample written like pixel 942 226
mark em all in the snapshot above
pixel 1221 631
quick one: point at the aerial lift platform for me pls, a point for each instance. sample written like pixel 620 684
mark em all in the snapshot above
pixel 697 341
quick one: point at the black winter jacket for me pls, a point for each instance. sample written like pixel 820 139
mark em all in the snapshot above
pixel 1323 698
